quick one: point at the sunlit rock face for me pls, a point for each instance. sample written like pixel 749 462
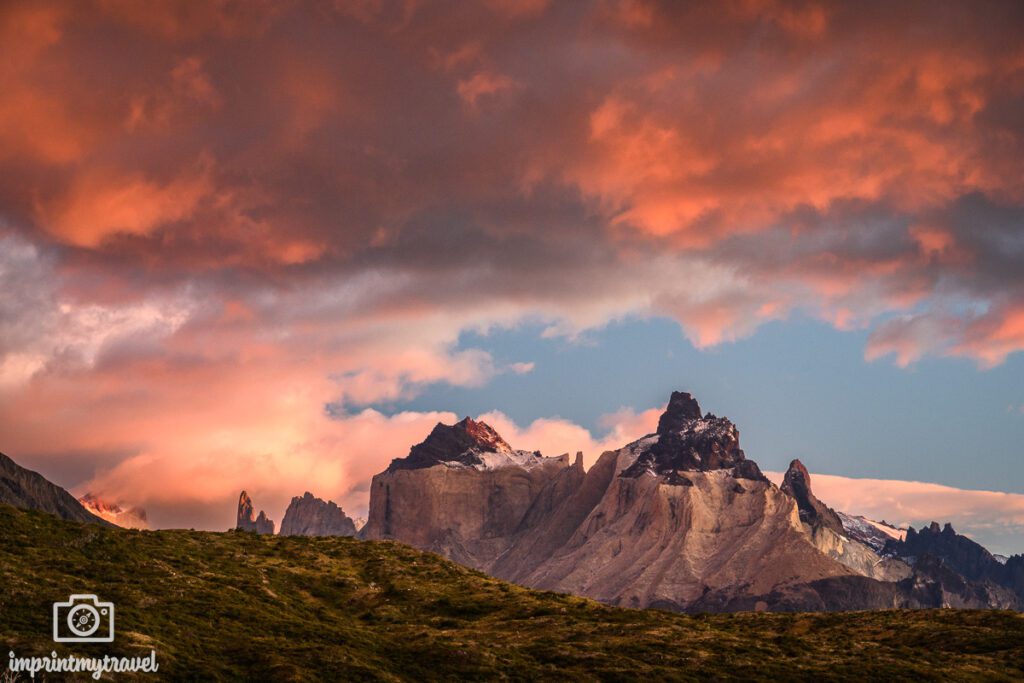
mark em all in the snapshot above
pixel 127 517
pixel 679 519
pixel 260 524
pixel 855 547
pixel 662 521
pixel 465 493
pixel 308 515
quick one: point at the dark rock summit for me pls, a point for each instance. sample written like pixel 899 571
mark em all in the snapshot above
pixel 311 516
pixel 30 490
pixel 958 571
pixel 797 483
pixel 682 407
pixel 954 550
pixel 687 442
pixel 462 442
pixel 246 520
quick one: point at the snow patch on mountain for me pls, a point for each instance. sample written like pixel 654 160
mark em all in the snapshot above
pixel 510 458
pixel 869 532
pixel 125 517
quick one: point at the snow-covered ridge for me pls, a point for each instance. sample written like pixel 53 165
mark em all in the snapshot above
pixel 871 533
pixel 494 460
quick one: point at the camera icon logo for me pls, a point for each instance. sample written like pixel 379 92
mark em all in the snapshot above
pixel 83 619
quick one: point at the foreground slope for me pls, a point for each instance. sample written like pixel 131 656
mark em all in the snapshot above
pixel 242 606
pixel 29 490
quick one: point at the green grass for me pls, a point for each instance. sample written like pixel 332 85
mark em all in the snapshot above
pixel 235 606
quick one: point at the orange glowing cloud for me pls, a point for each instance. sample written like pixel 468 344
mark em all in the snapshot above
pixel 100 204
pixel 260 210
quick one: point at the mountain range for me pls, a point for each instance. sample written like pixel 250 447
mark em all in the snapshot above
pixel 679 519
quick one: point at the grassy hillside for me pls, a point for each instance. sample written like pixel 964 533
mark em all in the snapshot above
pixel 239 606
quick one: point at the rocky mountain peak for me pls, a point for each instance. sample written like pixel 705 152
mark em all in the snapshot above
pixel 483 435
pixel 797 483
pixel 261 524
pixel 685 441
pixel 310 516
pixel 462 442
pixel 797 476
pixel 682 407
pixel 953 550
pixel 125 517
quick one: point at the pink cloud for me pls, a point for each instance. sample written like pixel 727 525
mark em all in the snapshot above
pixel 273 459
pixel 211 240
pixel 482 85
pixel 522 368
pixel 99 204
pixel 681 147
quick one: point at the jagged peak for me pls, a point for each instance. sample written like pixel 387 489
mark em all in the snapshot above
pixel 247 521
pixel 963 554
pixel 484 434
pixel 935 528
pixel 467 442
pixel 686 441
pixel 309 515
pixel 308 498
pixel 681 408
pixel 797 469
pixel 797 484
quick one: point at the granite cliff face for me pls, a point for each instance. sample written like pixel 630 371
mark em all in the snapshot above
pixel 247 521
pixel 29 490
pixel 310 516
pixel 465 493
pixel 676 518
pixel 651 541
pixel 830 535
pixel 679 519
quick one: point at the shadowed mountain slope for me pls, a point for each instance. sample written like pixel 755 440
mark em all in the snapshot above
pixel 29 490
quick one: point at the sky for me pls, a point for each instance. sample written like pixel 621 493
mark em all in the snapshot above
pixel 269 245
